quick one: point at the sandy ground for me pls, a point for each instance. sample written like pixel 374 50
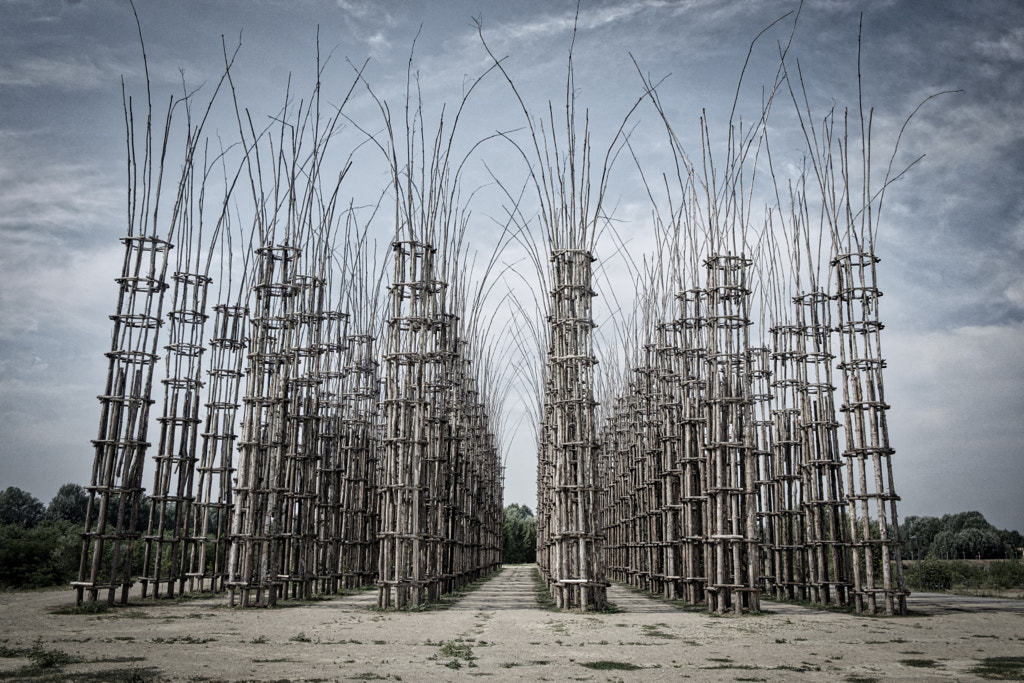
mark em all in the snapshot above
pixel 497 631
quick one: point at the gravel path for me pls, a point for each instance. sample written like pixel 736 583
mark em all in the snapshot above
pixel 498 631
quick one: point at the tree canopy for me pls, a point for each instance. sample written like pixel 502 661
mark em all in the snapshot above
pixel 20 508
pixel 959 536
pixel 69 504
pixel 519 535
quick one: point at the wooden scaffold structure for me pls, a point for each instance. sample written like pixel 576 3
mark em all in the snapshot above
pixel 574 558
pixel 346 429
pixel 116 486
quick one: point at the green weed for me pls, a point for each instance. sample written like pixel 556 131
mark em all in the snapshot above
pixel 94 607
pixel 1000 668
pixel 919 663
pixel 609 665
pixel 49 659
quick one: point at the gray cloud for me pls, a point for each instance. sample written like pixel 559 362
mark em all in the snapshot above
pixel 40 72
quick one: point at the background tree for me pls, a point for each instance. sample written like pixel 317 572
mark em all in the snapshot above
pixel 69 504
pixel 20 508
pixel 925 529
pixel 519 535
pixel 965 520
pixel 963 535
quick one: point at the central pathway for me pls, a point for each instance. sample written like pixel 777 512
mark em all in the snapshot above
pixel 512 588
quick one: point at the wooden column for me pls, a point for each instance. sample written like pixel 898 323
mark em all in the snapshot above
pixel 165 557
pixel 731 535
pixel 576 565
pixel 214 491
pixel 877 566
pixel 787 512
pixel 825 505
pixel 330 461
pixel 257 538
pixel 115 485
pixel 411 337
pixel 696 553
pixel 359 426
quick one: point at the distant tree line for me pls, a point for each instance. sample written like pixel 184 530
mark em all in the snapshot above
pixel 960 536
pixel 519 535
pixel 40 545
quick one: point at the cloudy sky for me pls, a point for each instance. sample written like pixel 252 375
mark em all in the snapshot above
pixel 951 237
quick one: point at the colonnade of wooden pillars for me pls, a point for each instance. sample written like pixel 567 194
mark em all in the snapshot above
pixel 722 471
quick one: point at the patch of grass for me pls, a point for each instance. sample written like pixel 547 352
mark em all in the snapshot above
pixel 258 640
pixel 300 637
pixel 727 663
pixel 856 678
pixel 134 614
pixel 186 639
pixel 49 659
pixel 457 650
pixel 117 660
pixel 276 660
pixel 368 676
pixel 1000 668
pixel 609 665
pixel 919 663
pixel 545 601
pixel 654 631
pixel 730 666
pixel 130 675
pixel 94 607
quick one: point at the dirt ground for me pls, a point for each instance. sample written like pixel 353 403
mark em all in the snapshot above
pixel 497 631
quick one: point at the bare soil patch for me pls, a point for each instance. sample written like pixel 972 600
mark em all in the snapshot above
pixel 498 631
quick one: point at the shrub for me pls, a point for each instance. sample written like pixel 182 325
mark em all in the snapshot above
pixel 948 574
pixel 45 555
